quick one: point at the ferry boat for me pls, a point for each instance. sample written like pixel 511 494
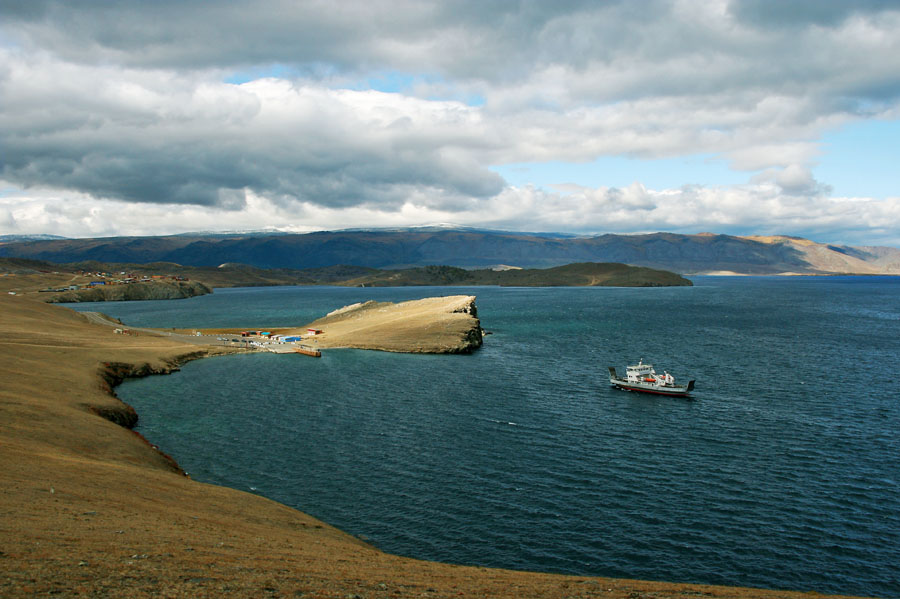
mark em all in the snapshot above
pixel 642 377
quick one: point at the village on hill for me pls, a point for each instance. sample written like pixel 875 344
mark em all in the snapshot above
pixel 98 278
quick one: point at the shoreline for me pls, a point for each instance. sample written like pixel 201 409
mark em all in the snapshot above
pixel 95 509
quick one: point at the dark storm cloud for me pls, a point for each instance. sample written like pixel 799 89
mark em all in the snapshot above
pixel 801 13
pixel 321 36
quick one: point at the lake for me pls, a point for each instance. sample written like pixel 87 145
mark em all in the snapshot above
pixel 783 471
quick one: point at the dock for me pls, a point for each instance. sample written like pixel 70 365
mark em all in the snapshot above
pixel 287 348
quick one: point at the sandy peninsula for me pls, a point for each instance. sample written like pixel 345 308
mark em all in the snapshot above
pixel 90 508
pixel 433 325
pixel 430 325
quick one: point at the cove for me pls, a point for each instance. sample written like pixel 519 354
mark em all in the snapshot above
pixel 780 474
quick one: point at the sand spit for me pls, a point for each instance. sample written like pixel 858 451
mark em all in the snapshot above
pixel 89 508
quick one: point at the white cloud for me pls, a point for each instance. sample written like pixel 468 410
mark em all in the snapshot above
pixel 762 208
pixel 125 102
pixel 761 156
pixel 148 137
pixel 751 209
pixel 8 222
pixel 797 180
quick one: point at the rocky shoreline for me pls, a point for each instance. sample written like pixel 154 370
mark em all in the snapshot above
pixel 112 374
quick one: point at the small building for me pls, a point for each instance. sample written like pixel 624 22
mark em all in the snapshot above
pixel 314 331
pixel 292 339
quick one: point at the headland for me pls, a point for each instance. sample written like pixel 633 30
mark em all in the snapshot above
pixel 435 325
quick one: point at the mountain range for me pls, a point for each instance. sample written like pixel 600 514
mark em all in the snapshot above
pixel 704 253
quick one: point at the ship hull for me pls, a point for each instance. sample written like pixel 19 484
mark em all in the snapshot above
pixel 673 391
pixel 643 379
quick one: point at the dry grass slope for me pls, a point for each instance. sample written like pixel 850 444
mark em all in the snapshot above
pixel 430 325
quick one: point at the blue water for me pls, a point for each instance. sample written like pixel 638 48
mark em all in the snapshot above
pixel 783 472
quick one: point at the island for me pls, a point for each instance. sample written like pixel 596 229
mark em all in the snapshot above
pixel 580 274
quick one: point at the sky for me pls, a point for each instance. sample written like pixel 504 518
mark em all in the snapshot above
pixel 741 117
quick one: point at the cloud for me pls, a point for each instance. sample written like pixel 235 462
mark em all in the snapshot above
pixel 762 208
pixel 798 180
pixel 741 210
pixel 8 222
pixel 151 137
pixel 157 136
pixel 827 13
pixel 596 52
pixel 129 102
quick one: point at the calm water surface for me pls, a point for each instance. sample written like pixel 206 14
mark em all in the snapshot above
pixel 783 472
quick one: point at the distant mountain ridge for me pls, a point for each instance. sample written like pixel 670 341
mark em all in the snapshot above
pixel 840 259
pixel 471 248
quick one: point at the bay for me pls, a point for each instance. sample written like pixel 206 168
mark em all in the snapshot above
pixel 782 472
